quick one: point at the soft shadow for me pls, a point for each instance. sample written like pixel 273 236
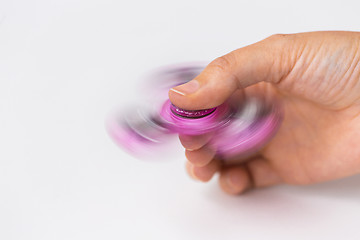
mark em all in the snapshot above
pixel 288 202
pixel 347 188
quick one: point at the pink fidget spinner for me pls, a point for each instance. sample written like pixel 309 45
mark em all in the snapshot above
pixel 237 129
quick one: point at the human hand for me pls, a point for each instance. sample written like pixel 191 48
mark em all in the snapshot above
pixel 316 76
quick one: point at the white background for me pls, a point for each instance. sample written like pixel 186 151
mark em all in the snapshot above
pixel 65 64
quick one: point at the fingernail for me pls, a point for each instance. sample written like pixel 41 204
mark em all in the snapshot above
pixel 187 88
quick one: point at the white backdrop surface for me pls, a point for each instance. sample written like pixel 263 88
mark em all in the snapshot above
pixel 65 64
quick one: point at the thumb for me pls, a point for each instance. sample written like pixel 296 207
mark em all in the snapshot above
pixel 262 61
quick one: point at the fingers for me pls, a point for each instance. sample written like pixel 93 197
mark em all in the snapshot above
pixel 201 164
pixel 235 180
pixel 262 173
pixel 204 173
pixel 200 157
pixel 253 174
pixel 196 150
pixel 263 61
pixel 194 142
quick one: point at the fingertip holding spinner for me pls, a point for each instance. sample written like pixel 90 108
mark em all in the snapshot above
pixel 237 129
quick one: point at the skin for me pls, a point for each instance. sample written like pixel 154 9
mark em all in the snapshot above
pixel 316 77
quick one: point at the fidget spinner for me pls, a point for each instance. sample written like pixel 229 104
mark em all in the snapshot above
pixel 236 128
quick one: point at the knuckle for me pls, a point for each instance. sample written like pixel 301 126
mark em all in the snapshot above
pixel 222 64
pixel 278 36
pixel 279 39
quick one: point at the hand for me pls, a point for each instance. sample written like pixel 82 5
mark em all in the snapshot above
pixel 316 76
